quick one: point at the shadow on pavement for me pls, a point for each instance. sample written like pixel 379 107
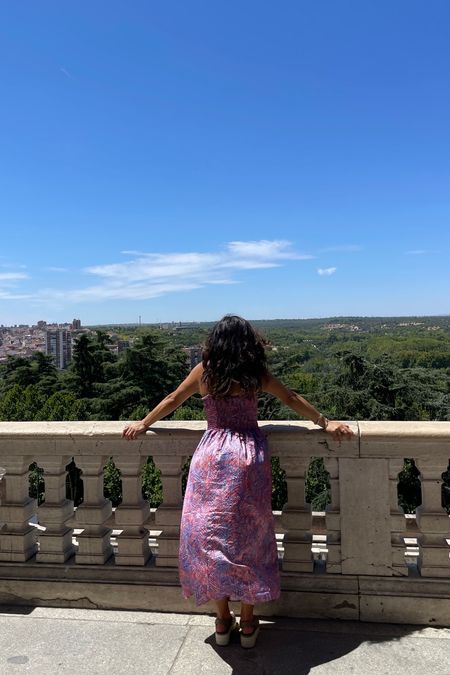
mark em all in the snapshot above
pixel 16 609
pixel 286 651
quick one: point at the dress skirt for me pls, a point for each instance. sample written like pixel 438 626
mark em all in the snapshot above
pixel 227 538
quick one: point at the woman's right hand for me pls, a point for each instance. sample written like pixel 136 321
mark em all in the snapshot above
pixel 133 430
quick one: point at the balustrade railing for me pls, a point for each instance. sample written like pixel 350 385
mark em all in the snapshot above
pixel 363 532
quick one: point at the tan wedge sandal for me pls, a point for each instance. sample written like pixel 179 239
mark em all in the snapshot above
pixel 249 639
pixel 222 639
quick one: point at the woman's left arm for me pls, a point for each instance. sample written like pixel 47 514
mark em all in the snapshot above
pixel 170 403
pixel 338 430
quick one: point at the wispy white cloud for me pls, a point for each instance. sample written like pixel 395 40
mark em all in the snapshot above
pixel 116 291
pixel 10 265
pixel 65 72
pixel 260 254
pixel 264 249
pixel 56 269
pixel 326 271
pixel 418 251
pixel 237 254
pixel 12 276
pixel 150 275
pixel 157 266
pixel 8 282
pixel 9 295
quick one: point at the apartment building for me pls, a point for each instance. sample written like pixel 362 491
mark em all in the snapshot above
pixel 59 346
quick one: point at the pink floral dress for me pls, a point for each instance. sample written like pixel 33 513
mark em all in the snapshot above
pixel 227 538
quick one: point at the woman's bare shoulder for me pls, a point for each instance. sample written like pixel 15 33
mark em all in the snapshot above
pixel 198 372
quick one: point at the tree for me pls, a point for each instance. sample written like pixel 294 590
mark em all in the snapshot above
pixel 62 406
pixel 83 366
pixel 154 367
pixel 89 361
pixel 20 403
pixel 18 370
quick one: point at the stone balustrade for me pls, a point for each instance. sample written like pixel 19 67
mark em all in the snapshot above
pixel 363 558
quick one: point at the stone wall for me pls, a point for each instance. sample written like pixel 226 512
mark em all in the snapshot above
pixel 362 558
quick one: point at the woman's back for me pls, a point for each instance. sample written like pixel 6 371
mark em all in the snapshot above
pixel 235 412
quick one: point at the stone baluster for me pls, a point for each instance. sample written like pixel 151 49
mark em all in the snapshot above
pixel 333 518
pixel 132 514
pixel 18 539
pixel 94 514
pixel 2 488
pixel 296 518
pixel 398 520
pixel 432 520
pixel 55 544
pixel 365 516
pixel 168 515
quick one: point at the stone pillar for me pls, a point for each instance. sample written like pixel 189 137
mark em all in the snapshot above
pixel 168 515
pixel 296 518
pixel 433 521
pixel 398 520
pixel 333 518
pixel 130 516
pixel 365 516
pixel 18 539
pixel 93 514
pixel 2 489
pixel 55 544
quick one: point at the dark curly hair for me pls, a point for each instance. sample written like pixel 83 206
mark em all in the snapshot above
pixel 233 353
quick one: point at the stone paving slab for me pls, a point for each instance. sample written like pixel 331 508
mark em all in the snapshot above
pixel 118 616
pixel 291 652
pixel 47 641
pixel 48 646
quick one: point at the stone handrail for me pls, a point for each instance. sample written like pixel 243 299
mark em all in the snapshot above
pixel 363 534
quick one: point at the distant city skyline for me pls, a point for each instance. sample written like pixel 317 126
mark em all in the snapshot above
pixel 186 162
pixel 50 325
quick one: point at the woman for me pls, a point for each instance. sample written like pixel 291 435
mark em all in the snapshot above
pixel 227 539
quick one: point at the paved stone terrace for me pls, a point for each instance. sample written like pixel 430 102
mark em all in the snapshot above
pixel 50 640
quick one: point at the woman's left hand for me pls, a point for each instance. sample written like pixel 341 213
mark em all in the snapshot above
pixel 339 430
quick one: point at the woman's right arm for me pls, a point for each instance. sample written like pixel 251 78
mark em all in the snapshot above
pixel 304 408
pixel 171 402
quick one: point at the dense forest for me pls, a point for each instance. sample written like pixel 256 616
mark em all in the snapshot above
pixel 350 368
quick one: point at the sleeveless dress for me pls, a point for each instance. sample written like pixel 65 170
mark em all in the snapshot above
pixel 227 537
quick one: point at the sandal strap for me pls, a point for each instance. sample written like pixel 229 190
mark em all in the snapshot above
pixel 225 622
pixel 249 623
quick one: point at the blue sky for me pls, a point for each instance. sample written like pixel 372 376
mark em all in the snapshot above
pixel 181 160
